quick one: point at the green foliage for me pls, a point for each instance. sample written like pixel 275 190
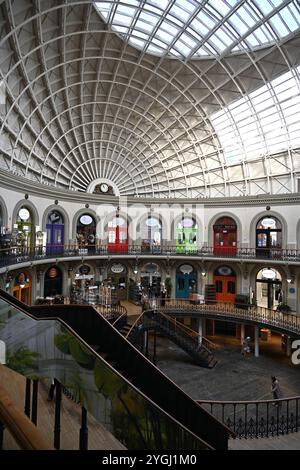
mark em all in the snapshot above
pixel 22 360
pixel 283 307
pixel 168 286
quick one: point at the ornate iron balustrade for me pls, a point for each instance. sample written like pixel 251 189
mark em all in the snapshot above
pixel 276 320
pixel 13 255
pixel 255 419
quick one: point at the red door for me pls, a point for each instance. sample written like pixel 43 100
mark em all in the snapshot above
pixel 225 288
pixel 225 234
pixel 118 239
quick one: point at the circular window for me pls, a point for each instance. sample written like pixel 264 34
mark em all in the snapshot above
pixel 186 269
pixel 187 222
pixel 152 222
pixel 268 274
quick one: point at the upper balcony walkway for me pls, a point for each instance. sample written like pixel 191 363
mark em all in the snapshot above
pixel 16 255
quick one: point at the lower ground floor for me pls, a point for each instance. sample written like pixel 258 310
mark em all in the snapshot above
pixel 234 377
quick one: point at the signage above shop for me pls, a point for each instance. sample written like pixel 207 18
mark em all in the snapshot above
pixel 52 273
pixel 24 213
pixel 187 222
pixel 117 268
pixel 268 274
pixel 225 271
pixel 86 219
pixel 268 223
pixel 84 269
pixel 186 269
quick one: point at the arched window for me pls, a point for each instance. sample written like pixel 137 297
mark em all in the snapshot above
pixel 151 235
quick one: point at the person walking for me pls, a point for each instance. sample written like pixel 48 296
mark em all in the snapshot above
pixel 245 347
pixel 275 389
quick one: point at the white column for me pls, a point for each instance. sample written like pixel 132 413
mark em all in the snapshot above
pixel 288 346
pixel 242 332
pixel 256 341
pixel 200 330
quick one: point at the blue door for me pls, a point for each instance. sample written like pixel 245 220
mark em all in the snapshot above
pixel 186 284
pixel 55 238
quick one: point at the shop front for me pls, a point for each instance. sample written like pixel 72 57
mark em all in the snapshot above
pixel 55 232
pixel 186 282
pixel 22 287
pixel 269 288
pixel 151 235
pixel 225 284
pixel 118 235
pixel 225 237
pixel 53 282
pixel 186 235
pixel 268 237
pixel 24 230
pixel 151 280
pixel 118 281
pixel 86 233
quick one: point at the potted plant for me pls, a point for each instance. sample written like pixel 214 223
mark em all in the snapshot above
pixel 168 286
pixel 284 308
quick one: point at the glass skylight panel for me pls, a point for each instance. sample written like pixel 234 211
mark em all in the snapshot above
pixel 213 25
pixel 279 26
pixel 262 116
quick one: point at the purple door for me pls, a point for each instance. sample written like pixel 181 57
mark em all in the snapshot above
pixel 55 238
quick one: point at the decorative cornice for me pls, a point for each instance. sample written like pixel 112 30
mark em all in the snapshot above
pixel 24 185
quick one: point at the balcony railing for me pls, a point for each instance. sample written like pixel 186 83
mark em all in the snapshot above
pixel 13 255
pixel 255 419
pixel 279 321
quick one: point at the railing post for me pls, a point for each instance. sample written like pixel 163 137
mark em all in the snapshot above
pixel 83 435
pixel 2 428
pixel 57 415
pixel 27 397
pixel 154 347
pixel 34 404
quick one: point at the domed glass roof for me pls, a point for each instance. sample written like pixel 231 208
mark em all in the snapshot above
pixel 207 104
pixel 190 28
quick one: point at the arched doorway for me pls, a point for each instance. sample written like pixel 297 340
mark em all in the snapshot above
pixel 225 284
pixel 53 282
pixel 151 279
pixel 186 235
pixel 22 287
pixel 186 281
pixel 118 235
pixel 225 236
pixel 151 235
pixel 268 288
pixel 268 237
pixel 118 281
pixel 24 229
pixel 55 232
pixel 86 233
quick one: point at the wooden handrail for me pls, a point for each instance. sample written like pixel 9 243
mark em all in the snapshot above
pixel 19 425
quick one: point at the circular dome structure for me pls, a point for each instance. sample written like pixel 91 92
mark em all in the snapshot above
pixel 162 99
